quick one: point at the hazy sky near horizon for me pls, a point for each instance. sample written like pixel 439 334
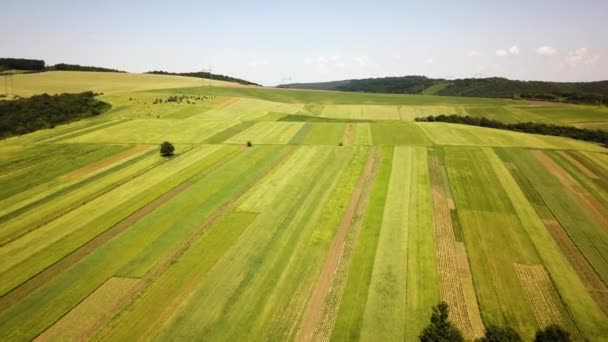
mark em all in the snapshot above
pixel 267 41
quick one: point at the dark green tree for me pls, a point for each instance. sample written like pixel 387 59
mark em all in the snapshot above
pixel 500 334
pixel 440 329
pixel 552 333
pixel 166 149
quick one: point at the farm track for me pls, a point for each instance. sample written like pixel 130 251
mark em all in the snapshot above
pixel 462 301
pixel 318 318
pixel 177 251
pixel 63 264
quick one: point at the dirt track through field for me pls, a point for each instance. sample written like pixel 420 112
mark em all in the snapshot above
pixel 596 209
pixel 177 251
pixel 338 253
pixel 349 134
pixel 61 265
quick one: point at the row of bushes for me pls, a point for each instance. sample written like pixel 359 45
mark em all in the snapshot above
pixel 597 135
pixel 46 111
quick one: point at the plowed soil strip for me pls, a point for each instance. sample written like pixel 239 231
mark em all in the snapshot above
pixel 176 252
pixel 44 276
pixel 455 285
pixel 598 211
pixel 358 204
pixel 591 280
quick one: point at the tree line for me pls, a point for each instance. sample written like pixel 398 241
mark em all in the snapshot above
pixel 204 74
pixel 593 135
pixel 492 87
pixel 35 65
pixel 26 115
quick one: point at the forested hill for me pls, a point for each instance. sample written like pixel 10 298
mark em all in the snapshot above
pixel 203 74
pixel 496 87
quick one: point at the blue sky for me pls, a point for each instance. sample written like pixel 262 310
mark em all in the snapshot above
pixel 266 41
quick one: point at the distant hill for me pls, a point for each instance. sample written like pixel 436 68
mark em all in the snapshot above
pixel 36 65
pixel 207 75
pixel 495 87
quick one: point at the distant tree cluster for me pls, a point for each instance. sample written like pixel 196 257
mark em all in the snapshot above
pixel 21 64
pixel 46 111
pixel 207 75
pixel 597 135
pixel 179 99
pixel 76 67
pixel 441 329
pixel 493 87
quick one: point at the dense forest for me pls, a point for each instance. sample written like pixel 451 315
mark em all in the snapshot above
pixel 76 67
pixel 21 64
pixel 203 74
pixel 495 87
pixel 597 135
pixel 45 111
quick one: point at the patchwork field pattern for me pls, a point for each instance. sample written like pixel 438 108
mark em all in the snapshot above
pixel 344 220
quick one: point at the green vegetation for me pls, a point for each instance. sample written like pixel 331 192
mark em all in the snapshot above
pixel 45 111
pixel 298 215
pixel 553 333
pixel 573 92
pixel 599 136
pixel 166 149
pixel 21 64
pixel 76 67
pixel 203 74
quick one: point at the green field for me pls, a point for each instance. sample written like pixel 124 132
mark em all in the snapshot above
pixel 345 220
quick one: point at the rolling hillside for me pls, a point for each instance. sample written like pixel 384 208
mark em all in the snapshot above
pixel 345 220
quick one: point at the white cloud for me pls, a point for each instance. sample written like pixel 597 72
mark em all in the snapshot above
pixel 428 61
pixel 326 62
pixel 473 53
pixel 512 51
pixel 362 60
pixel 546 51
pixel 256 64
pixel 581 56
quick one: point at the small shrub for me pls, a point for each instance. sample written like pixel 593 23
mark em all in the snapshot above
pixel 552 333
pixel 440 329
pixel 166 149
pixel 249 144
pixel 500 334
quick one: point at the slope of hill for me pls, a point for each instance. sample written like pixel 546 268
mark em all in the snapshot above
pixel 495 87
pixel 207 75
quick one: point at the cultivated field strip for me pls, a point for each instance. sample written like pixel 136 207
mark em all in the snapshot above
pixel 451 282
pixel 542 297
pixel 321 309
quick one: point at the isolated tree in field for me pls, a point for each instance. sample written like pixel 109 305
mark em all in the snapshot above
pixel 552 333
pixel 500 334
pixel 166 149
pixel 440 329
pixel 248 143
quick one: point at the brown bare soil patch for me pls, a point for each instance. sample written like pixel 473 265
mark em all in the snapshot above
pixel 349 134
pixel 91 168
pixel 456 283
pixel 591 280
pixel 176 252
pixel 542 297
pixel 322 308
pixel 578 164
pixel 595 208
pixel 82 316
pixel 228 102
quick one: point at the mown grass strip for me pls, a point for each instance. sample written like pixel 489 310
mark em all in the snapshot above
pixel 228 132
pixel 351 311
pixel 308 118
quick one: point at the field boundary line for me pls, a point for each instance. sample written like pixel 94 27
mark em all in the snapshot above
pixel 88 247
pixel 174 255
pixel 338 257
